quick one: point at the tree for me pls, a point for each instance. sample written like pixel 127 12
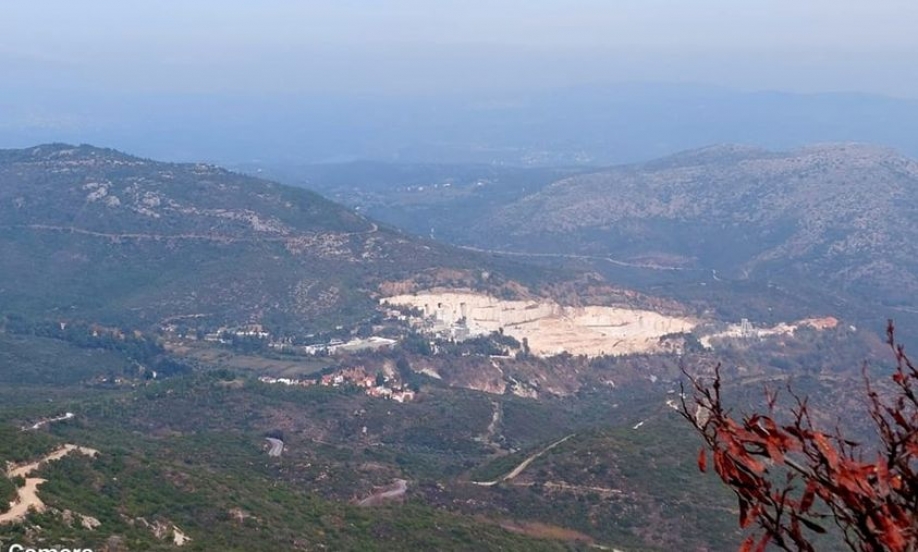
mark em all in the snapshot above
pixel 791 478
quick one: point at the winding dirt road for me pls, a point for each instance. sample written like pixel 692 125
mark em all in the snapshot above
pixel 523 465
pixel 610 260
pixel 27 496
pixel 397 490
pixel 277 447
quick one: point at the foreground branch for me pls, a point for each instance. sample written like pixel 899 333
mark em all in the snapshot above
pixel 791 479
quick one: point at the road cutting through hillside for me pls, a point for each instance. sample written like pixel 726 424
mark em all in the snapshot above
pixel 397 490
pixel 523 465
pixel 220 238
pixel 610 260
pixel 491 432
pixel 277 447
pixel 41 423
pixel 27 496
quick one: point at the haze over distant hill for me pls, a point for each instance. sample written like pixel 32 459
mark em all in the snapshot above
pixel 837 214
pixel 575 126
pixel 830 225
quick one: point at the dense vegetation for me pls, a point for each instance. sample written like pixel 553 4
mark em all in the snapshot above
pixel 232 507
pixel 188 451
pixel 98 235
pixel 120 257
pixel 636 477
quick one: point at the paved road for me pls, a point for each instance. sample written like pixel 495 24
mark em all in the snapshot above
pixel 277 447
pixel 38 425
pixel 397 490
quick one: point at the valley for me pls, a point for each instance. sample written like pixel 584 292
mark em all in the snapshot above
pixel 247 356
pixel 771 230
pixel 458 276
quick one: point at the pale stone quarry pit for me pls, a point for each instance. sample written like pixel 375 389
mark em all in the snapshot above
pixel 548 327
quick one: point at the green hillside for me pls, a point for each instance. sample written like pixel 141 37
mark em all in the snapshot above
pixel 99 235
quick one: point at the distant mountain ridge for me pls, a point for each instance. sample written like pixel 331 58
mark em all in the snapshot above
pixel 841 214
pixel 742 229
pixel 583 125
pixel 94 232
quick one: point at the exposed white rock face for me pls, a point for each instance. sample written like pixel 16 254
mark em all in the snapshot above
pixel 548 327
pixel 96 190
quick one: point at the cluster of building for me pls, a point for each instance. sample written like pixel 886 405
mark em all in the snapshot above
pixel 226 335
pixel 334 346
pixel 746 330
pixel 375 386
pixel 438 321
pixel 287 381
pixel 338 346
pixel 249 330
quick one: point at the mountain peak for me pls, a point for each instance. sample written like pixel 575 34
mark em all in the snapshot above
pixel 101 233
pixel 62 152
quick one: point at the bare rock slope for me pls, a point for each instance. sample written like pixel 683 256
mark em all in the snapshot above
pixel 548 327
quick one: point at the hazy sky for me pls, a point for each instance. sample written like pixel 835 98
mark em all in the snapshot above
pixel 436 46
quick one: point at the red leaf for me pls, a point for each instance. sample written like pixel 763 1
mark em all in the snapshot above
pixel 808 495
pixel 702 460
pixel 747 544
pixel 883 477
pixel 900 419
pixel 773 451
pixel 893 535
pixel 752 464
pixel 829 452
pixel 744 518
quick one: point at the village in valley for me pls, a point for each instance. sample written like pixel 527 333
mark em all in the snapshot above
pixel 381 385
pixel 441 326
pixel 256 339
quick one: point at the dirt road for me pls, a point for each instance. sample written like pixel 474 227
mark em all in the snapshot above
pixel 397 490
pixel 523 465
pixel 277 447
pixel 27 496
